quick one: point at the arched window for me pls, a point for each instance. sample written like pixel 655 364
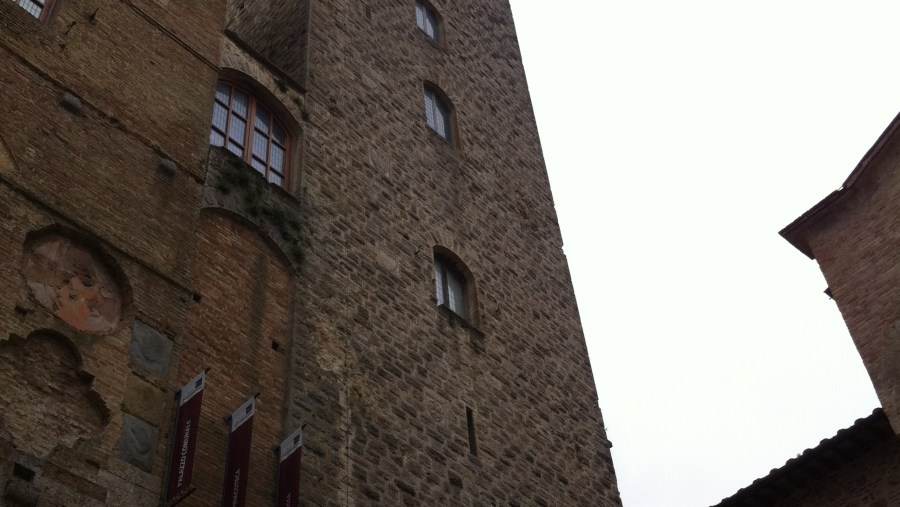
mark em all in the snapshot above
pixel 438 113
pixel 428 21
pixel 37 8
pixel 245 127
pixel 454 285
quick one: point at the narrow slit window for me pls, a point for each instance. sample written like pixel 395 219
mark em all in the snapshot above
pixel 470 423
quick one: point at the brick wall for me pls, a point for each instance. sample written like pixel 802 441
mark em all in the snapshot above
pixel 240 329
pixel 376 212
pixel 854 240
pixel 93 99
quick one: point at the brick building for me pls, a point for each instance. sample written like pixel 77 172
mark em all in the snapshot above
pixel 341 206
pixel 854 235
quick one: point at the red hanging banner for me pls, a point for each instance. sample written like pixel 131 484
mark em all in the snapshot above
pixel 184 440
pixel 289 470
pixel 237 464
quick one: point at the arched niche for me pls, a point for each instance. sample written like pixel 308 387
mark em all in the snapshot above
pixel 49 400
pixel 239 327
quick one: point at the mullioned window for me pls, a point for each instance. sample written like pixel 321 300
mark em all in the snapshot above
pixel 244 126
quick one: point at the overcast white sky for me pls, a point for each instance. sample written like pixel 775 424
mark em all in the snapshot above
pixel 680 137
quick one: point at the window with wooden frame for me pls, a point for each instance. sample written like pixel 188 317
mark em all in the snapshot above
pixel 428 21
pixel 245 127
pixel 37 8
pixel 438 113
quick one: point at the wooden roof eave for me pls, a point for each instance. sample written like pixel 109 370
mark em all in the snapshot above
pixel 795 232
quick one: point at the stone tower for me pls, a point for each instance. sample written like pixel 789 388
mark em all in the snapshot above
pixel 339 206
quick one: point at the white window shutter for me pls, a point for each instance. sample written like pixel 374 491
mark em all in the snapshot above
pixel 439 281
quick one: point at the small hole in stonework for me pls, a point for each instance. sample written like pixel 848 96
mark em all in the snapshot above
pixel 23 472
pixel 197 297
pixel 276 346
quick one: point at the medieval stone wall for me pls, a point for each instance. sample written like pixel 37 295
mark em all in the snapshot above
pixel 382 191
pixel 275 30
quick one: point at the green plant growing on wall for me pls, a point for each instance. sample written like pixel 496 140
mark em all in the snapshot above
pixel 235 174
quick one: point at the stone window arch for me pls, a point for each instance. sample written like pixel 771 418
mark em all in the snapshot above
pixel 439 112
pixel 455 285
pixel 247 125
pixel 429 21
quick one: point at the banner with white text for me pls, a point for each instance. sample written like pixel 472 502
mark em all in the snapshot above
pixel 184 443
pixel 237 464
pixel 289 470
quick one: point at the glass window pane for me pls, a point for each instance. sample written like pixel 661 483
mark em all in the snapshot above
pixel 258 165
pixel 456 293
pixel 278 134
pixel 260 146
pixel 277 158
pixel 263 118
pixel 236 149
pixel 220 117
pixel 223 94
pixel 276 179
pixel 440 120
pixel 238 132
pixel 216 138
pixel 239 106
pixel 34 8
pixel 430 24
pixel 429 108
pixel 420 15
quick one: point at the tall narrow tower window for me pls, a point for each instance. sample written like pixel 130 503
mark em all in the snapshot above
pixel 455 285
pixel 437 113
pixel 37 8
pixel 451 286
pixel 246 128
pixel 427 20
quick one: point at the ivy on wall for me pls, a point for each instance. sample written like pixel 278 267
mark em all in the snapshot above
pixel 235 174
